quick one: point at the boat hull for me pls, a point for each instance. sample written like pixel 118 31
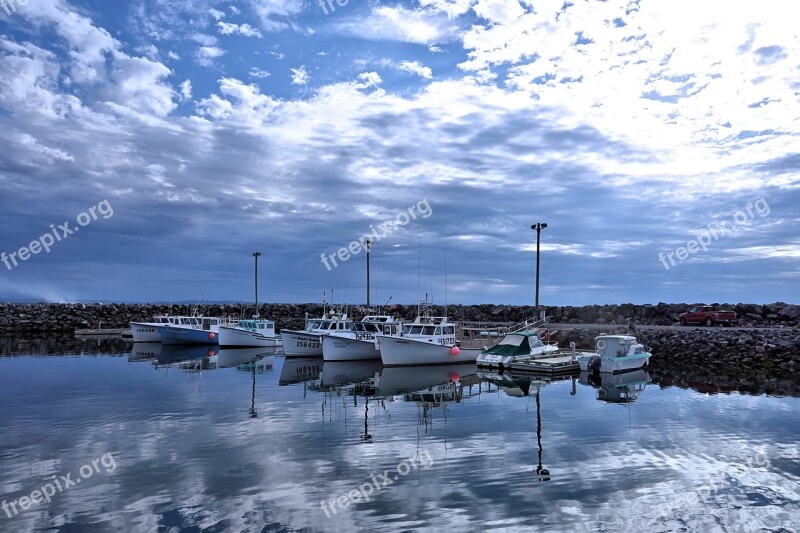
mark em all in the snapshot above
pixel 229 336
pixel 178 335
pixel 344 349
pixel 615 365
pixel 503 361
pixel 301 344
pixel 146 331
pixel 398 351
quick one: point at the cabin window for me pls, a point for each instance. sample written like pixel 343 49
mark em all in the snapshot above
pixel 429 330
pixel 449 330
pixel 438 331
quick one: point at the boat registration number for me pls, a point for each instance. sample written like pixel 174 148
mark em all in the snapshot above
pixel 307 344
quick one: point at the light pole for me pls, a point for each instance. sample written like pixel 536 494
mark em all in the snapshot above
pixel 256 255
pixel 367 246
pixel 539 226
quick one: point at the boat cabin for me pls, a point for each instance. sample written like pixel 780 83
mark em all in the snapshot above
pixel 513 344
pixel 618 346
pixel 330 325
pixel 267 327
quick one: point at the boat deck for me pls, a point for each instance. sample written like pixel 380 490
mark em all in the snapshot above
pixel 557 364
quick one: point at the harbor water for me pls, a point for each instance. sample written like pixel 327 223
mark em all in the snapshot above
pixel 158 439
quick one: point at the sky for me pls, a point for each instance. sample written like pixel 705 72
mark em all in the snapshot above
pixel 657 140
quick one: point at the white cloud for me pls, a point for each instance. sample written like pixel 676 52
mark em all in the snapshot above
pixel 300 76
pixel 186 90
pixel 386 23
pixel 217 14
pixel 206 55
pixel 276 15
pixel 242 29
pixel 499 11
pixel 256 72
pixel 415 67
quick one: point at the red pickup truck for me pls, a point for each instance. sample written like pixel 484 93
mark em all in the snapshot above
pixel 708 315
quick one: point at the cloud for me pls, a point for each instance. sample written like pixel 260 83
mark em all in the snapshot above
pixel 276 15
pixel 256 72
pixel 385 23
pixel 300 76
pixel 186 90
pixel 415 67
pixel 242 29
pixel 206 55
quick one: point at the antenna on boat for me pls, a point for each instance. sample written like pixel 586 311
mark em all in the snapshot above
pixel 419 273
pixel 444 244
pixel 256 256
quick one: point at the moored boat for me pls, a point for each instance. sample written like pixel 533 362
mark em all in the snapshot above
pixel 149 331
pixel 516 347
pixel 251 332
pixel 308 342
pixel 428 340
pixel 360 343
pixel 614 354
pixel 200 330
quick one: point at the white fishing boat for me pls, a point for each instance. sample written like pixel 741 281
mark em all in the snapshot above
pixel 429 340
pixel 521 344
pixel 361 342
pixel 615 354
pixel 308 342
pixel 149 331
pixel 250 332
pixel 194 330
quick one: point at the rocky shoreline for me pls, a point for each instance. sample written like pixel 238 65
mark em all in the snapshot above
pixel 47 318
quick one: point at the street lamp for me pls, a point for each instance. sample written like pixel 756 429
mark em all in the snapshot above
pixel 539 226
pixel 367 246
pixel 256 255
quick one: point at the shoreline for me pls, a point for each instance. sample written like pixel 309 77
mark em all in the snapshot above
pixel 44 317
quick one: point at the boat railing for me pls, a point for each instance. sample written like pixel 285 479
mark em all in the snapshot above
pixel 529 324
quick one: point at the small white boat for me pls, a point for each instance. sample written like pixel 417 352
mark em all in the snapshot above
pixel 360 343
pixel 149 331
pixel 308 342
pixel 428 340
pixel 517 347
pixel 615 354
pixel 251 332
pixel 194 330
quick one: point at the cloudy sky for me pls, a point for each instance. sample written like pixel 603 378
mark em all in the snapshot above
pixel 214 128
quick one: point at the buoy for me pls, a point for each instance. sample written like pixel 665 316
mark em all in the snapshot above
pixel 211 335
pixel 454 377
pixel 454 350
pixel 210 352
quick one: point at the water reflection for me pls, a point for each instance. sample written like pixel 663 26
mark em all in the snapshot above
pixel 617 388
pixel 267 439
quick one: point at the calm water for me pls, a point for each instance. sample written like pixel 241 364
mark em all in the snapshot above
pixel 222 444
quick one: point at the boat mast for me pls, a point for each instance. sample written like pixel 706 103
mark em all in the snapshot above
pixel 256 255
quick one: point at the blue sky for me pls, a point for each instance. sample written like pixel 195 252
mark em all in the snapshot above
pixel 215 128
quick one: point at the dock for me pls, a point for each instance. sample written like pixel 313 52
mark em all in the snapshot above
pixel 108 332
pixel 559 364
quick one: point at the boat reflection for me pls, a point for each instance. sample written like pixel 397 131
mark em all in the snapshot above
pixel 300 369
pixel 172 354
pixel 144 351
pixel 617 388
